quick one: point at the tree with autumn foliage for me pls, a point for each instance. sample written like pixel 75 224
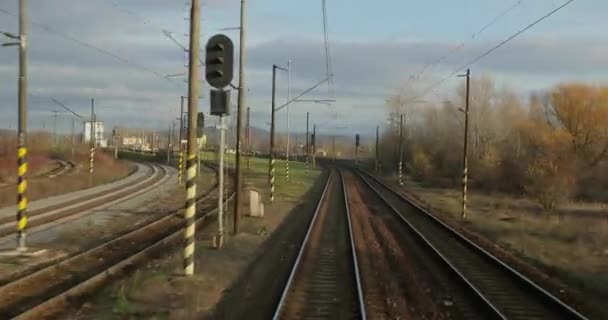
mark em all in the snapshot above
pixel 551 148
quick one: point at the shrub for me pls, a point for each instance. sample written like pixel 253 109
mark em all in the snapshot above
pixel 550 182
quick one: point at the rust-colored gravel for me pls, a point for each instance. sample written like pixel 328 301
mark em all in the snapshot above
pixel 393 287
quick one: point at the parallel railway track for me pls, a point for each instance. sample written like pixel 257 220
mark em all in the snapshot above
pixel 76 276
pixel 62 212
pixel 499 291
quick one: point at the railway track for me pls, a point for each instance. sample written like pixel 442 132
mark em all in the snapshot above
pixel 61 212
pixel 62 168
pixel 324 281
pixel 498 291
pixel 70 279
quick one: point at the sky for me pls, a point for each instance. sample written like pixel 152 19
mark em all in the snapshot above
pixel 116 52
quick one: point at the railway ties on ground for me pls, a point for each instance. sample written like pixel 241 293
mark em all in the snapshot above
pixel 324 281
pixel 498 290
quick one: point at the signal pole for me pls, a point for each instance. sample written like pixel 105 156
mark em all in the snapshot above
pixel 465 147
pixel 238 177
pixel 190 203
pixel 401 151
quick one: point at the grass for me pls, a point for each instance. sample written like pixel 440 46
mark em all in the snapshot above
pixel 257 175
pixel 154 292
pixel 571 245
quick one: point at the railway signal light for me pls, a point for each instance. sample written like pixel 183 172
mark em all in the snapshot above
pixel 200 120
pixel 219 62
pixel 357 140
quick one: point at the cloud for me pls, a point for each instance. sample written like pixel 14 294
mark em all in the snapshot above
pixel 365 71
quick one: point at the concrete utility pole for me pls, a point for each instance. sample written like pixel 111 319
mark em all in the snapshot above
pixel 401 150
pixel 21 134
pixel 115 143
pixel 249 148
pixel 180 151
pixel 55 115
pixel 190 204
pixel 170 141
pixel 288 131
pixel 238 177
pixel 314 146
pixel 272 155
pixel 377 150
pixel 465 147
pixel 307 147
pixel 73 139
pixel 92 137
pixel 272 115
pixel 333 148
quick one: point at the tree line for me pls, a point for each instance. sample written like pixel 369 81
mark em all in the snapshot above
pixel 551 145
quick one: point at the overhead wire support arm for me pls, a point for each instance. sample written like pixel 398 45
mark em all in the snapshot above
pixel 303 93
pixel 68 109
pixel 10 35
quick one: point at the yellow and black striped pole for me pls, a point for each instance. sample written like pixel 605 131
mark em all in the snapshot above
pixel 272 178
pixel 91 159
pixel 189 230
pixel 180 164
pixel 287 169
pixel 189 237
pixel 21 133
pixel 92 138
pixel 21 197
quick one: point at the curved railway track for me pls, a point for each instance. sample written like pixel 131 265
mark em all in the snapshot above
pixel 324 281
pixel 499 291
pixel 62 168
pixel 84 272
pixel 65 211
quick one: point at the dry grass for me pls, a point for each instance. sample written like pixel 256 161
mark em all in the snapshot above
pixel 106 170
pixel 571 244
pixel 156 293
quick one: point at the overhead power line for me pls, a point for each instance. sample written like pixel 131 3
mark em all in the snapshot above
pixel 463 43
pixel 50 29
pixel 494 48
pixel 328 63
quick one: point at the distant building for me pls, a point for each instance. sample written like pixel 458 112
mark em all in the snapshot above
pixel 97 133
pixel 136 143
